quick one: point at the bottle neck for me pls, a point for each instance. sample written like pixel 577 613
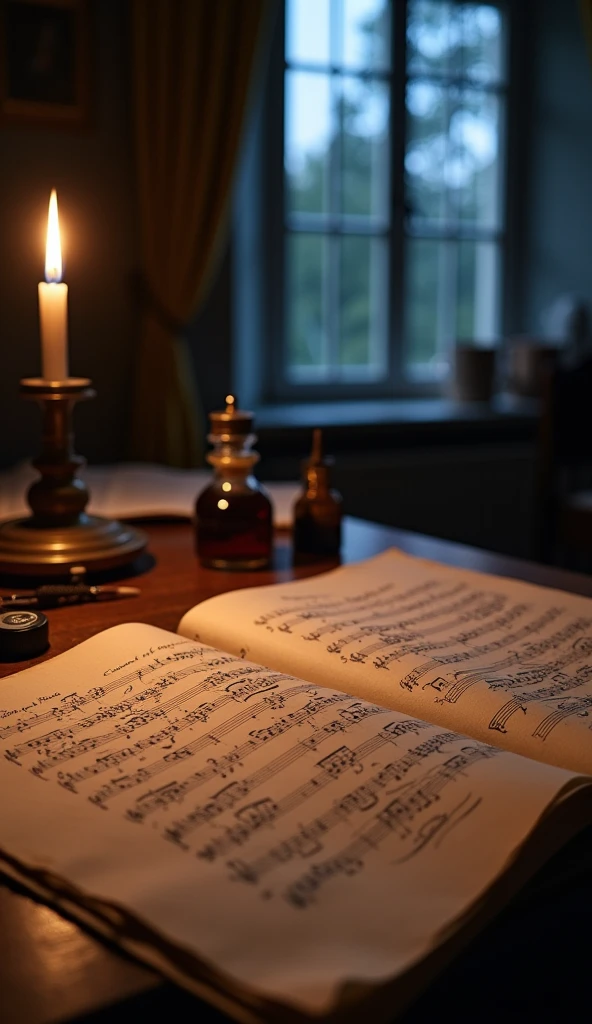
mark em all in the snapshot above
pixel 230 462
pixel 317 482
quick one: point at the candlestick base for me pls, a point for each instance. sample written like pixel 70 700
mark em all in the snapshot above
pixel 27 549
pixel 59 534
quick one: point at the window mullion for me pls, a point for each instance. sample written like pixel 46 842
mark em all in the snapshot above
pixel 332 241
pixel 396 354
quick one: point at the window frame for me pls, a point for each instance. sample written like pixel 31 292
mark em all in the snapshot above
pixel 268 382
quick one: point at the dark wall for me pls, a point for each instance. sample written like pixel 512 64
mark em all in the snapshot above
pixel 91 169
pixel 558 201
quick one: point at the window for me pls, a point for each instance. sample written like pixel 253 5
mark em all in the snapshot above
pixel 388 226
pixel 455 112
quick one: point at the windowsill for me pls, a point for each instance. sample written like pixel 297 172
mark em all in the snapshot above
pixel 395 411
pixel 385 425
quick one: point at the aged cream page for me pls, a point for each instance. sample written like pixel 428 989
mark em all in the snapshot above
pixel 506 662
pixel 291 838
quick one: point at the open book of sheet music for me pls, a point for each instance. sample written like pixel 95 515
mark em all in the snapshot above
pixel 308 800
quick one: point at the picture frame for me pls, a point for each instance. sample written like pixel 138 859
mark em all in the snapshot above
pixel 44 62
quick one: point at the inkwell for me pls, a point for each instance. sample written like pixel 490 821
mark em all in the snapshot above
pixel 318 510
pixel 233 514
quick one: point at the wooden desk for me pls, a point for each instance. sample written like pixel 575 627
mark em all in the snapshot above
pixel 50 969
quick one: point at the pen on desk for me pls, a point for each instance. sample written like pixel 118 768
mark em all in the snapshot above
pixel 55 595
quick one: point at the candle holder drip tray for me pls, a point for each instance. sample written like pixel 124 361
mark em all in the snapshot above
pixel 59 534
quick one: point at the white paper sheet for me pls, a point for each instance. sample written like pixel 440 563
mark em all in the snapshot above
pixel 292 838
pixel 506 662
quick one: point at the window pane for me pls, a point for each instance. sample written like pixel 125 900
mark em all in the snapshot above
pixel 364 116
pixel 307 30
pixel 453 154
pixel 482 43
pixel 363 305
pixel 478 289
pixel 427 147
pixel 445 38
pixel 434 36
pixel 306 261
pixel 308 132
pixel 366 34
pixel 430 293
pixel 472 164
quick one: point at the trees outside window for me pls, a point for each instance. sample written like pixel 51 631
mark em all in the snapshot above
pixel 393 190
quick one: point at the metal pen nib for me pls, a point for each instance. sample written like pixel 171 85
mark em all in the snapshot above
pixel 113 593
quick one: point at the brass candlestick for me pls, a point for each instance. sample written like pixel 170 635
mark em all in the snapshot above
pixel 59 534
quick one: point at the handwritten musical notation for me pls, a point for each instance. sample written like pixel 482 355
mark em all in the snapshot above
pixel 283 784
pixel 503 661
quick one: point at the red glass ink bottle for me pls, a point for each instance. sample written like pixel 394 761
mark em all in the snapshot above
pixel 233 515
pixel 318 511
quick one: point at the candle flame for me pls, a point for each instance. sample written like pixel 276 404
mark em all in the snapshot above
pixel 53 249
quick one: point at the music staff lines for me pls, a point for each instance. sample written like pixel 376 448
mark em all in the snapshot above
pixel 386 603
pixel 265 811
pixel 214 736
pixel 355 605
pixel 474 652
pixel 132 721
pixel 332 766
pixel 525 677
pixel 311 606
pixel 74 702
pixel 565 709
pixel 327 628
pixel 554 642
pixel 576 706
pixel 465 637
pixel 483 610
pixel 394 820
pixel 202 713
pixel 534 675
pixel 221 766
pixel 155 800
pixel 385 630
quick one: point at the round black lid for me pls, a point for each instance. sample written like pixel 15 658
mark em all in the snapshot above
pixel 23 634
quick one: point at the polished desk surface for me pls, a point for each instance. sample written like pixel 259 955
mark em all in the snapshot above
pixel 50 969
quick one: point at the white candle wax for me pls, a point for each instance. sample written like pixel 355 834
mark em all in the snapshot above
pixel 53 303
pixel 53 317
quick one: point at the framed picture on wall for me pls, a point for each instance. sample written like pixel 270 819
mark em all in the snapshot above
pixel 44 62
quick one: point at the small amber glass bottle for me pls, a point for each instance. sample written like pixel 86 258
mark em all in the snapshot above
pixel 318 511
pixel 233 515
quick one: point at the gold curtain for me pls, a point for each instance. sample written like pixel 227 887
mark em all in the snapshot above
pixel 192 67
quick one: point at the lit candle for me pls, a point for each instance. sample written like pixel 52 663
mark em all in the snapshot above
pixel 53 303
